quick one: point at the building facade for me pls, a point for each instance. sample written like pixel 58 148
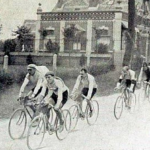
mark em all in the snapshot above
pixel 95 24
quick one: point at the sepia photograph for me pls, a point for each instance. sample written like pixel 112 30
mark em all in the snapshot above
pixel 75 75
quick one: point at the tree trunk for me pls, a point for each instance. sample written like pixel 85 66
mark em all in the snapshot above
pixel 131 31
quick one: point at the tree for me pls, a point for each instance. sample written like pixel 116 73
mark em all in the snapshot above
pixel 24 35
pixel 52 47
pixel 1 45
pixel 69 35
pixel 9 45
pixel 130 34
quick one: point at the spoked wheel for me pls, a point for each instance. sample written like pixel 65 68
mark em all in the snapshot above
pixel 118 108
pixel 132 102
pixel 17 124
pixel 142 95
pixel 92 114
pixel 148 93
pixel 74 116
pixel 51 120
pixel 63 131
pixel 36 133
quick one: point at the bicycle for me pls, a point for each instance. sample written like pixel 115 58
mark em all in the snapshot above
pixel 145 91
pixel 35 134
pixel 127 98
pixel 18 120
pixel 76 111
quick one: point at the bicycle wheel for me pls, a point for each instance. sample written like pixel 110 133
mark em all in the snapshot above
pixel 92 116
pixel 148 93
pixel 132 102
pixel 17 124
pixel 51 121
pixel 36 133
pixel 74 116
pixel 62 134
pixel 118 108
pixel 142 95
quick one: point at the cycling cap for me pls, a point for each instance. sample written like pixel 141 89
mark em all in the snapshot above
pixel 31 66
pixel 49 73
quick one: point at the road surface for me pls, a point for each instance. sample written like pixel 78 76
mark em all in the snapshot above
pixel 131 132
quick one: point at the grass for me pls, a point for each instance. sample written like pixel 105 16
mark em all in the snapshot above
pixel 8 97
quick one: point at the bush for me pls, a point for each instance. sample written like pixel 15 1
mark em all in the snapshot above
pixel 82 60
pixel 101 69
pixel 102 48
pixel 52 47
pixel 5 78
pixel 29 60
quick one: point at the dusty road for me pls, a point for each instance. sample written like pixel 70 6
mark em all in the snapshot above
pixel 131 132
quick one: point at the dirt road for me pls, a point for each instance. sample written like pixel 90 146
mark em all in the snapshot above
pixel 131 132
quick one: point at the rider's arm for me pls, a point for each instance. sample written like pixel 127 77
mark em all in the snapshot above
pixel 26 81
pixel 76 86
pixel 140 75
pixel 91 86
pixel 38 86
pixel 60 93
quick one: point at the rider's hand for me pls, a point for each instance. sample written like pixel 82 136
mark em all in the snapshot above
pixel 116 88
pixel 19 99
pixel 56 107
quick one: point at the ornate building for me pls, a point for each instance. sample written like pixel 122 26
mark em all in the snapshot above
pixel 95 23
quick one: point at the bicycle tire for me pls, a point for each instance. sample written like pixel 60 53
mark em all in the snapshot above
pixel 22 123
pixel 61 135
pixel 95 110
pixel 119 102
pixel 142 95
pixel 74 112
pixel 132 102
pixel 37 129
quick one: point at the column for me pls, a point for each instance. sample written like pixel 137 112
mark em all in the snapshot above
pixel 89 41
pixel 62 27
pixel 38 26
pixel 117 31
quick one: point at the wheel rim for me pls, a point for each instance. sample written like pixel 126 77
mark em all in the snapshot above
pixel 92 116
pixel 132 102
pixel 36 133
pixel 66 127
pixel 74 116
pixel 17 124
pixel 118 108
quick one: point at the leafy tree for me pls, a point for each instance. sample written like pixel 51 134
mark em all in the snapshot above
pixel 52 47
pixel 1 45
pixel 24 35
pixel 9 45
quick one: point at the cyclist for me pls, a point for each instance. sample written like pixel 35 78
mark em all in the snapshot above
pixel 144 73
pixel 57 94
pixel 127 79
pixel 89 88
pixel 35 76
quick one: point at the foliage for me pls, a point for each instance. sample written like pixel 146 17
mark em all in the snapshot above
pixel 1 45
pixel 82 60
pixel 101 69
pixel 9 45
pixel 5 78
pixel 102 48
pixel 24 35
pixel 52 47
pixel 69 33
pixel 29 60
pixel 43 32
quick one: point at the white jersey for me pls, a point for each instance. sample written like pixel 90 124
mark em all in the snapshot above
pixel 58 87
pixel 36 80
pixel 87 82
